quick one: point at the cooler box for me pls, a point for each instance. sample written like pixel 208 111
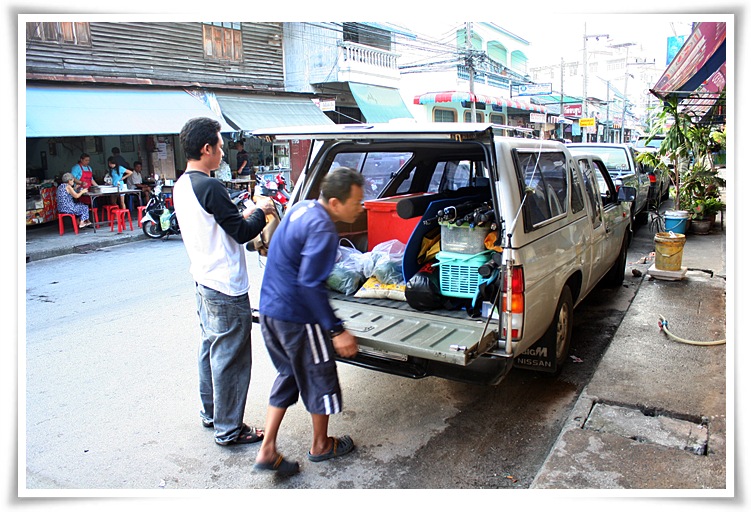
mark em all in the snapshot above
pixel 384 224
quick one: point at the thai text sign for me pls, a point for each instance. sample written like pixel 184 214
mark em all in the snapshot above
pixel 572 110
pixel 587 121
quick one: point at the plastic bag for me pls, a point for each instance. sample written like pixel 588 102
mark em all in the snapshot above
pixel 374 289
pixel 423 291
pixel 386 259
pixel 347 274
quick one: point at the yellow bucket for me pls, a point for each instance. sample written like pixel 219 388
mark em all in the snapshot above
pixel 669 250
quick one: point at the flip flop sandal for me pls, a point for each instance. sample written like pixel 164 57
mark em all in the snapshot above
pixel 280 466
pixel 342 446
pixel 247 435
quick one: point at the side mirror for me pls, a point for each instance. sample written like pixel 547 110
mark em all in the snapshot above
pixel 626 194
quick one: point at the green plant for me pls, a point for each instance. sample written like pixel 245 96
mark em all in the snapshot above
pixel 688 146
pixel 706 208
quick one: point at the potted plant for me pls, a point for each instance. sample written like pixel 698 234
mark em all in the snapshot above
pixel 704 213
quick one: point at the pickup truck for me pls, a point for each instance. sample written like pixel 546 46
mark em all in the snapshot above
pixel 620 159
pixel 558 227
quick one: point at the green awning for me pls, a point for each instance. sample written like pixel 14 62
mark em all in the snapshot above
pixel 379 104
pixel 248 112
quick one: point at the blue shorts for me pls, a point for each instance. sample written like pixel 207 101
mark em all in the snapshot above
pixel 304 356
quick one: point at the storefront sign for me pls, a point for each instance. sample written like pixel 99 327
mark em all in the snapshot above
pixel 531 89
pixel 325 105
pixel 572 110
pixel 587 121
pixel 535 117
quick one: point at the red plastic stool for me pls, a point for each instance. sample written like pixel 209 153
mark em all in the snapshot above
pixel 61 216
pixel 168 201
pixel 120 214
pixel 140 214
pixel 108 208
pixel 93 212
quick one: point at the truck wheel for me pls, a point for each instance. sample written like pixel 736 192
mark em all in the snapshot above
pixel 558 334
pixel 615 275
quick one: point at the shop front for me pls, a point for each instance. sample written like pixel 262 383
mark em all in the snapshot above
pixel 246 112
pixel 64 122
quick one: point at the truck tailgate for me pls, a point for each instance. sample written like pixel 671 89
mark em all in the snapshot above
pixel 394 333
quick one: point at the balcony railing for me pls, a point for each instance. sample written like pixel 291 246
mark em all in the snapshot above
pixel 356 55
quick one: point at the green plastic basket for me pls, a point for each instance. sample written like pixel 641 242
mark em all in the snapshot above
pixel 458 273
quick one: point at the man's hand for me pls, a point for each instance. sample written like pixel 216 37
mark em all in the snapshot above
pixel 266 206
pixel 345 344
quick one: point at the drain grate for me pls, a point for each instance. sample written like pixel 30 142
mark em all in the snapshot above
pixel 662 430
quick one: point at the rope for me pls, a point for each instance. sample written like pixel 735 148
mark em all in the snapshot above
pixel 664 327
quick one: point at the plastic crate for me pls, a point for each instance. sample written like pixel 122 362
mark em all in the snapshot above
pixel 385 224
pixel 463 239
pixel 458 273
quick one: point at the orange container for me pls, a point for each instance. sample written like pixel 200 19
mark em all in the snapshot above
pixel 384 224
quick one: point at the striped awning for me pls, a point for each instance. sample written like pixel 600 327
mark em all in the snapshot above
pixel 458 97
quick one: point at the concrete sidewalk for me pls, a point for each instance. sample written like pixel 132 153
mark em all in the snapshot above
pixel 45 241
pixel 654 415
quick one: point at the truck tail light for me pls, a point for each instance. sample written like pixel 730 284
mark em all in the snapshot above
pixel 517 303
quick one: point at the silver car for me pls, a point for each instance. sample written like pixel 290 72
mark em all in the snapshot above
pixel 620 160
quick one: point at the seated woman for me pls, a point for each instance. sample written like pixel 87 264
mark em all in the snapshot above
pixel 66 203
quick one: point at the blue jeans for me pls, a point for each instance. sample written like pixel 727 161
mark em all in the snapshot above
pixel 224 360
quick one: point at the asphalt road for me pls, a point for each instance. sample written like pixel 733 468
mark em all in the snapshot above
pixel 110 398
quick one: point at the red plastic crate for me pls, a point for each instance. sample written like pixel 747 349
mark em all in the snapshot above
pixel 384 224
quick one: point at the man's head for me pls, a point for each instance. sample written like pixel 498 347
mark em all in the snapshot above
pixel 137 166
pixel 115 151
pixel 200 139
pixel 342 194
pixel 239 145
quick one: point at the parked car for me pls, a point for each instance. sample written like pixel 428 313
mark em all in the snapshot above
pixel 660 177
pixel 509 214
pixel 620 160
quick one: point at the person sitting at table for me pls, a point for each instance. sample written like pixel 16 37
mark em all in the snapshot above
pixel 66 200
pixel 119 174
pixel 83 175
pixel 135 181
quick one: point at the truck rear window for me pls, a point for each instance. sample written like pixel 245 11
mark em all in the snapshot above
pixel 545 175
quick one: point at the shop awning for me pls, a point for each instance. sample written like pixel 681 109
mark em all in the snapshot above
pixel 459 96
pixel 379 104
pixel 74 111
pixel 701 56
pixel 248 112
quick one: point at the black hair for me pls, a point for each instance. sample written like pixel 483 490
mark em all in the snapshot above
pixel 198 132
pixel 137 162
pixel 83 155
pixel 111 160
pixel 115 151
pixel 338 183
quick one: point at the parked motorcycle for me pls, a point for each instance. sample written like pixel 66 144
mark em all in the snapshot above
pixel 158 219
pixel 275 187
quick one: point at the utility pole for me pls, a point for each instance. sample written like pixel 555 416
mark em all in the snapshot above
pixel 471 69
pixel 584 100
pixel 625 86
pixel 560 124
pixel 608 130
